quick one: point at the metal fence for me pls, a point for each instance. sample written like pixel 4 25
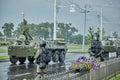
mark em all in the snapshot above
pixel 4 38
pixel 107 69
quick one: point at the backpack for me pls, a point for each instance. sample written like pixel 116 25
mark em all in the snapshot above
pixel 45 56
pixel 96 46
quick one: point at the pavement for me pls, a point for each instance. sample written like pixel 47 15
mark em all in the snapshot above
pixel 27 71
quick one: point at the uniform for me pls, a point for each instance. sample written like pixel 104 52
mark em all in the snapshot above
pixel 95 49
pixel 37 56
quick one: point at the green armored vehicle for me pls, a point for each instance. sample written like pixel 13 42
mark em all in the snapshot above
pixel 111 47
pixel 57 49
pixel 26 47
pixel 23 47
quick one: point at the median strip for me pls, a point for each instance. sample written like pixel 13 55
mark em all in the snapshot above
pixel 4 58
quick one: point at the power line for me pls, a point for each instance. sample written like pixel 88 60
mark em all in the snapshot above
pixel 85 11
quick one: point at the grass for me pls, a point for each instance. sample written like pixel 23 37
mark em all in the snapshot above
pixel 77 48
pixel 3 50
pixel 115 78
pixel 4 57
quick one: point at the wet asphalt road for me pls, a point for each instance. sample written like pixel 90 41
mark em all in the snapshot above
pixel 27 71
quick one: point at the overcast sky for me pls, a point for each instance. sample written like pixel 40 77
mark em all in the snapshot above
pixel 37 11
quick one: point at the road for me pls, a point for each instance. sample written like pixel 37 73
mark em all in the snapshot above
pixel 27 71
pixel 3 54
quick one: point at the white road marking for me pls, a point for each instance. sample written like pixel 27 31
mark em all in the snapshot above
pixel 18 75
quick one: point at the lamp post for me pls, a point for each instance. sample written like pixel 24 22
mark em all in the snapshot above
pixel 72 9
pixel 84 28
pixel 23 16
pixel 55 19
pixel 101 25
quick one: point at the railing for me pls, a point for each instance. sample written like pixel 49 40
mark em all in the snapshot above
pixel 4 38
pixel 106 70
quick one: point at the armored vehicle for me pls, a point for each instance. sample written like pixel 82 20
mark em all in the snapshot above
pixel 25 47
pixel 57 49
pixel 111 47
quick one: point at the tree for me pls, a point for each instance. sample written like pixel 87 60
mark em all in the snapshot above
pixel 76 39
pixel 99 31
pixel 89 36
pixel 66 31
pixel 7 29
pixel 23 26
pixel 45 30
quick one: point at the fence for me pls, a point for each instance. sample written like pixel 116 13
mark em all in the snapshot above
pixel 4 38
pixel 107 69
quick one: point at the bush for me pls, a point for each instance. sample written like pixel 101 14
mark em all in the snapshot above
pixel 4 43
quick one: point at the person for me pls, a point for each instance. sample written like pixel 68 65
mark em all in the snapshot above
pixel 40 58
pixel 96 49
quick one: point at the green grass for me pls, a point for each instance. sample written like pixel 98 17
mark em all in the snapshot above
pixel 3 50
pixel 4 57
pixel 77 48
pixel 115 78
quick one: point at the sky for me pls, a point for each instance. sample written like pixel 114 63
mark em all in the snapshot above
pixel 38 11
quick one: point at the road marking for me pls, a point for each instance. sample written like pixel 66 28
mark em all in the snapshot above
pixel 18 75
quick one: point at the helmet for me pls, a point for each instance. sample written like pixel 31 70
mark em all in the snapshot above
pixel 95 36
pixel 42 43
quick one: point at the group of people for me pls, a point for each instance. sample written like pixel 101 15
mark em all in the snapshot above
pixel 42 58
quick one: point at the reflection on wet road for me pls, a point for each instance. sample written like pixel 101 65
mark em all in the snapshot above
pixel 27 71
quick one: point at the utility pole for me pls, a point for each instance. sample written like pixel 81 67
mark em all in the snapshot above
pixel 84 28
pixel 72 9
pixel 101 25
pixel 23 16
pixel 55 19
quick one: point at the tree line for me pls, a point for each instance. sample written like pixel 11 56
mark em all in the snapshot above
pixel 45 30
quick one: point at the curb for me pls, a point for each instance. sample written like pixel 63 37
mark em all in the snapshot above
pixel 77 52
pixel 4 60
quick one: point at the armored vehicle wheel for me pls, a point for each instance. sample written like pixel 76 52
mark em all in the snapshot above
pixel 13 59
pixel 62 56
pixel 31 59
pixel 22 59
pixel 55 56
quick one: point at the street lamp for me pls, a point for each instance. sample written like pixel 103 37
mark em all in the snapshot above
pixel 55 19
pixel 101 25
pixel 72 9
pixel 23 16
pixel 84 28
